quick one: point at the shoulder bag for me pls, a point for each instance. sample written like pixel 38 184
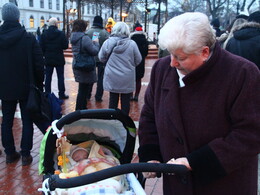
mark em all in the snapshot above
pixel 84 61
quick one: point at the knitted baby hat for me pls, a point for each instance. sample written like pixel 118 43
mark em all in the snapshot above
pixel 10 12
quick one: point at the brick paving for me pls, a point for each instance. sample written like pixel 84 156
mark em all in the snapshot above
pixel 16 179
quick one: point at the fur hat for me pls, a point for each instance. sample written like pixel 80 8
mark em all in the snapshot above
pixel 98 21
pixel 254 17
pixel 53 21
pixel 10 12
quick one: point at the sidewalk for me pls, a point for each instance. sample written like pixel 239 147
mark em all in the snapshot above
pixel 16 179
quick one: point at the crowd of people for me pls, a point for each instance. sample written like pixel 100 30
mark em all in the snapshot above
pixel 202 104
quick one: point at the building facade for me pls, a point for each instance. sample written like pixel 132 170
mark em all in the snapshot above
pixel 36 13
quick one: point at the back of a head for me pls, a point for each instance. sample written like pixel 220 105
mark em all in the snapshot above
pixel 10 12
pixel 215 23
pixel 120 29
pixel 53 21
pixel 191 31
pixel 254 17
pixel 98 21
pixel 79 25
pixel 137 24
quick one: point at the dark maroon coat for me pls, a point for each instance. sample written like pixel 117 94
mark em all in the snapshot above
pixel 214 121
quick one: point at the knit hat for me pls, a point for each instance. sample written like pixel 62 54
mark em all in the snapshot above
pixel 98 21
pixel 254 17
pixel 77 148
pixel 10 12
pixel 138 28
pixel 53 21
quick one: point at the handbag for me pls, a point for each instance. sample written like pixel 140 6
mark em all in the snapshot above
pixel 38 104
pixel 84 61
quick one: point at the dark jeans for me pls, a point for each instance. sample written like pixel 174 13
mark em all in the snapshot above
pixel 60 76
pixel 100 90
pixel 124 99
pixel 8 109
pixel 83 91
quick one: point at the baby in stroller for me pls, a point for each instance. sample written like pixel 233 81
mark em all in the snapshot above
pixel 84 158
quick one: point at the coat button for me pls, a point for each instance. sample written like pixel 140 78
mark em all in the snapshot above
pixel 180 141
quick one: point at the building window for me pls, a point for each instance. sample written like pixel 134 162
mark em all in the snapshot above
pixel 93 9
pixel 31 3
pixel 83 10
pixel 42 21
pixel 58 4
pixel 88 9
pixel 31 22
pixel 42 4
pixel 50 4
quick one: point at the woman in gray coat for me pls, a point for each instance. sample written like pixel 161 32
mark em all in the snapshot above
pixel 122 56
pixel 85 79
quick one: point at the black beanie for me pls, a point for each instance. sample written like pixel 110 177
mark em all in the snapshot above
pixel 98 21
pixel 254 17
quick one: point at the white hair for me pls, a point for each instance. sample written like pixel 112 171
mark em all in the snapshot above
pixel 53 21
pixel 120 29
pixel 189 32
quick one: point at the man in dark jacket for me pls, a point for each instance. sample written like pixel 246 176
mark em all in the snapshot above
pixel 246 39
pixel 53 42
pixel 15 45
pixel 216 24
pixel 140 38
pixel 99 32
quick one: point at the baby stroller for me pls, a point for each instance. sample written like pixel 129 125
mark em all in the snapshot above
pixel 107 127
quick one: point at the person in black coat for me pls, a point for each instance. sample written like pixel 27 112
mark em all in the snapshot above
pixel 140 38
pixel 15 45
pixel 53 42
pixel 246 39
pixel 216 24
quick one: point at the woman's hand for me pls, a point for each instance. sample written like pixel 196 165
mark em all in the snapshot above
pixel 180 161
pixel 150 174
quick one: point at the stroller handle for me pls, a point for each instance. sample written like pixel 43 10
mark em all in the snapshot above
pixel 55 182
pixel 94 114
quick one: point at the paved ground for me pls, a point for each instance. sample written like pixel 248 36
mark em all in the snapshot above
pixel 16 179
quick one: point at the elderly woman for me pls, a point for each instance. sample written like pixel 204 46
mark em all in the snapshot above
pixel 202 110
pixel 122 56
pixel 86 79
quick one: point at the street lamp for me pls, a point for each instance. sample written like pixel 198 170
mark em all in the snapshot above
pixel 124 15
pixel 72 12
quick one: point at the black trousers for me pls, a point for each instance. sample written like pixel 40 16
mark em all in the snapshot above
pixel 83 91
pixel 124 100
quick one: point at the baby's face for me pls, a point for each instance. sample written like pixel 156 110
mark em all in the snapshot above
pixel 80 155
